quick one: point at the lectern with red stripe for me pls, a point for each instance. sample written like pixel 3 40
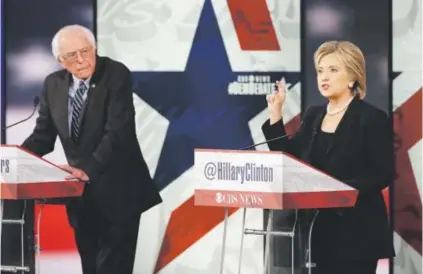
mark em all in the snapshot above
pixel 267 180
pixel 25 176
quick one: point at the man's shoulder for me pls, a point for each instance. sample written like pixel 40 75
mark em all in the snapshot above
pixel 56 75
pixel 113 65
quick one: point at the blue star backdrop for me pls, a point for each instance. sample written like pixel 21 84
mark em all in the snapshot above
pixel 196 102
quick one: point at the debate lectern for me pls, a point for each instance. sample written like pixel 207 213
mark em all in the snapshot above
pixel 25 176
pixel 267 180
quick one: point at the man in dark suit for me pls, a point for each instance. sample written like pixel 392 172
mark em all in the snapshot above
pixel 89 106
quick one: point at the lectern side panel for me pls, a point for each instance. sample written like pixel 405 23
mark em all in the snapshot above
pixel 323 199
pixel 49 190
pixel 8 191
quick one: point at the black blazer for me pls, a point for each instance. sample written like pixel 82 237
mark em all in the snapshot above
pixel 361 155
pixel 108 150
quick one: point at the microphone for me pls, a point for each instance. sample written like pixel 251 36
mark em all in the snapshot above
pixel 279 137
pixel 36 101
pixel 268 141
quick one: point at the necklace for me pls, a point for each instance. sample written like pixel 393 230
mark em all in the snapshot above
pixel 332 113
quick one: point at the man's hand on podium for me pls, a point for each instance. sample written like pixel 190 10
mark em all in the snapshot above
pixel 75 173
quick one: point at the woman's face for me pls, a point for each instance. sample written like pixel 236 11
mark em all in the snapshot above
pixel 332 77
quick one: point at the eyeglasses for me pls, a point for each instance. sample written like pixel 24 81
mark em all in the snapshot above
pixel 73 56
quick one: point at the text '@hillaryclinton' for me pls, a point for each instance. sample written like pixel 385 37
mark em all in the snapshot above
pixel 248 172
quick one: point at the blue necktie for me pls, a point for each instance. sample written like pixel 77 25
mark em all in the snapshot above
pixel 78 103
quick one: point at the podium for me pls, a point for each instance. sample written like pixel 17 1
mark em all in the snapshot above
pixel 268 180
pixel 27 177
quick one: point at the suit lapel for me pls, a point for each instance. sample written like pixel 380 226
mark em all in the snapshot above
pixel 315 127
pixel 63 105
pixel 92 94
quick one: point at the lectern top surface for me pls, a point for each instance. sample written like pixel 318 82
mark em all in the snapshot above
pixel 18 166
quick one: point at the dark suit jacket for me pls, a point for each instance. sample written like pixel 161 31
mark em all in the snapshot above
pixel 108 150
pixel 360 156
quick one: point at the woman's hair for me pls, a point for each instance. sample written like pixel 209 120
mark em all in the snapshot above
pixel 352 58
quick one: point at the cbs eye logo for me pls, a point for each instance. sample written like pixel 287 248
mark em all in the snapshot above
pixel 219 198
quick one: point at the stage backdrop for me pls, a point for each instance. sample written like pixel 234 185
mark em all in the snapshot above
pixel 134 33
pixel 407 106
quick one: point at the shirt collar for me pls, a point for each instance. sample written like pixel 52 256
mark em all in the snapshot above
pixel 76 81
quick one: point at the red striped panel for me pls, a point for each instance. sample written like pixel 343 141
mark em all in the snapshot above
pixel 56 233
pixel 253 24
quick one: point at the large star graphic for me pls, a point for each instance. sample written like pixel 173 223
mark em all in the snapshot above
pixel 196 102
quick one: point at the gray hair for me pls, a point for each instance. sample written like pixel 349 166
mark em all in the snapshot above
pixel 76 28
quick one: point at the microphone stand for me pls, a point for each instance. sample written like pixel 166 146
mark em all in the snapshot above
pixel 36 101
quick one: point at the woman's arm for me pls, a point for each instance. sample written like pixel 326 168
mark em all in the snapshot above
pixel 291 144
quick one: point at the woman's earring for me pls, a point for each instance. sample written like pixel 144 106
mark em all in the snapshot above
pixel 351 85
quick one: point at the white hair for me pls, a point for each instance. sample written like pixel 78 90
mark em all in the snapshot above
pixel 71 28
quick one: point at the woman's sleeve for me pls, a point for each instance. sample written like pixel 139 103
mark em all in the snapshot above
pixel 289 144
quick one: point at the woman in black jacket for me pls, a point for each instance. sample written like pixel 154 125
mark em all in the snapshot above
pixel 352 141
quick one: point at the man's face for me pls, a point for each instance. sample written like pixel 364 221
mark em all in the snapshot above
pixel 77 54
